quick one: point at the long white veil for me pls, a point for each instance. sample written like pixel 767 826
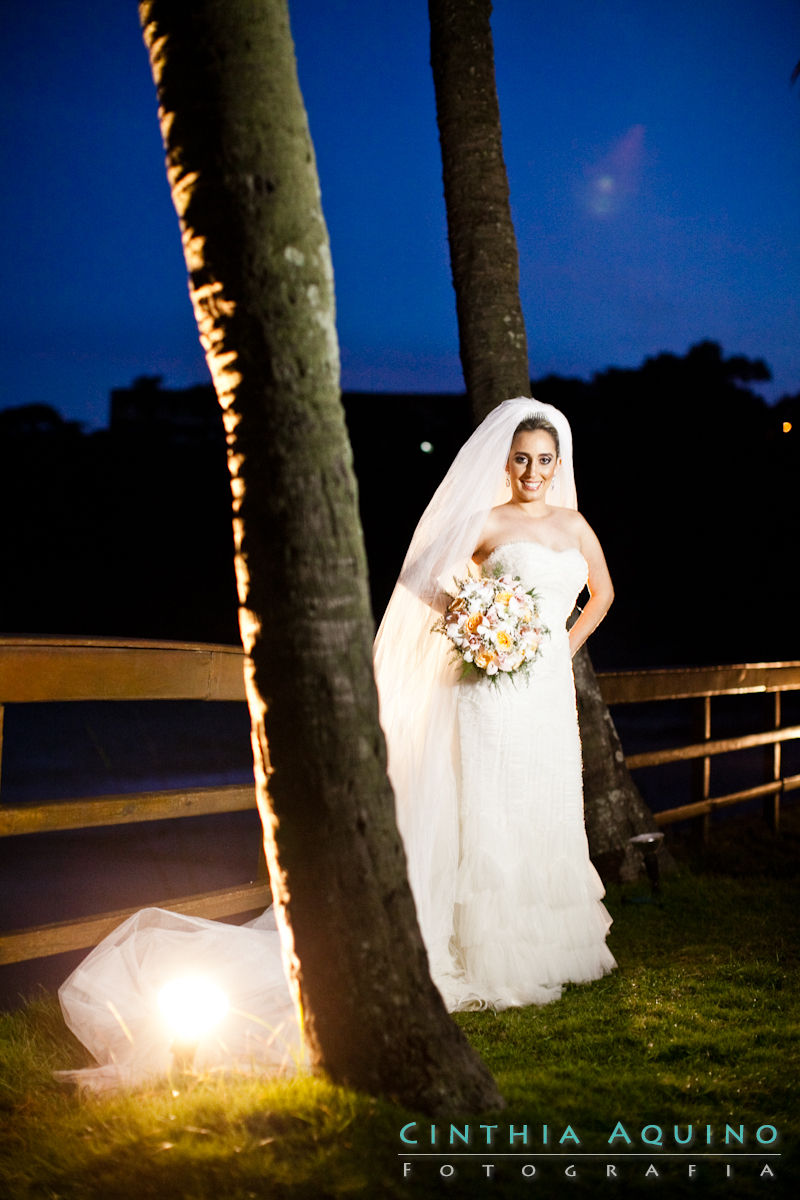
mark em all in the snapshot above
pixel 413 666
pixel 109 1001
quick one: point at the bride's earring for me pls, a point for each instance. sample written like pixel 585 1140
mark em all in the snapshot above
pixel 508 479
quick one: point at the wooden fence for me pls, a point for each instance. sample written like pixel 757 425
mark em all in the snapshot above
pixel 703 684
pixel 38 670
pixel 41 670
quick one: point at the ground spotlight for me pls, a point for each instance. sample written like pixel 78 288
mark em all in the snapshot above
pixel 191 1006
pixel 650 844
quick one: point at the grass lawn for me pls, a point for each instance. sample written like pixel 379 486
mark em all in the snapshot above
pixel 698 1027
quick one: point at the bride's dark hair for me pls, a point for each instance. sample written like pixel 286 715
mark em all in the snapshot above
pixel 531 424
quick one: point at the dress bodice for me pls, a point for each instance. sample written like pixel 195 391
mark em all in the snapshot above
pixel 556 575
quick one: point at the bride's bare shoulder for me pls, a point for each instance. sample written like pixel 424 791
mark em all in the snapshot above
pixel 490 532
pixel 496 518
pixel 569 519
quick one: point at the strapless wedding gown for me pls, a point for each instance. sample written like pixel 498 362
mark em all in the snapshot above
pixel 509 914
pixel 528 916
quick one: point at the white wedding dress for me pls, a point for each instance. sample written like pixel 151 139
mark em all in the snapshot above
pixel 528 915
pixel 488 787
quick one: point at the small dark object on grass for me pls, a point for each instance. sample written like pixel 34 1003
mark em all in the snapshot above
pixel 649 844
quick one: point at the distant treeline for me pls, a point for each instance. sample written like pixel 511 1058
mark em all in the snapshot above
pixel 688 477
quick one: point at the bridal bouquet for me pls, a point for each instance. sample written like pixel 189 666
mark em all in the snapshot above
pixel 494 624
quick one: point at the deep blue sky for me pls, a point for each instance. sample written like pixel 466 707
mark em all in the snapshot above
pixel 653 152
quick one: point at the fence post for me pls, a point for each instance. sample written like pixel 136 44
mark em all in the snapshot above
pixel 772 804
pixel 702 767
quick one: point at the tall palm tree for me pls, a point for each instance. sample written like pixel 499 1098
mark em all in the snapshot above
pixel 483 245
pixel 494 354
pixel 241 168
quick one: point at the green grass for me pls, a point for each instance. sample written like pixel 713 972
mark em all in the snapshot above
pixel 698 1026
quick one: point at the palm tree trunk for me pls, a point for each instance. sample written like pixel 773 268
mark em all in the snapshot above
pixel 241 168
pixel 613 807
pixel 483 246
pixel 494 356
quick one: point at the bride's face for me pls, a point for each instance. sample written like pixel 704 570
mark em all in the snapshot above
pixel 531 465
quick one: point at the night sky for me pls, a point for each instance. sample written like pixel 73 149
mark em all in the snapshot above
pixel 653 152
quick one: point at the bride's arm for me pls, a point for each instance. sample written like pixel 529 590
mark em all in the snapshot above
pixel 601 589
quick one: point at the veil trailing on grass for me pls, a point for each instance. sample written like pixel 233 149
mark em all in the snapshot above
pixel 111 1002
pixel 414 670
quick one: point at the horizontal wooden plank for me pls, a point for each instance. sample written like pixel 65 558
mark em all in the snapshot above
pixel 45 940
pixel 656 758
pixel 124 810
pixel 48 669
pixel 701 807
pixel 637 687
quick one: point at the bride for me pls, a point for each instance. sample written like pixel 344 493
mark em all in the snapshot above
pixel 486 774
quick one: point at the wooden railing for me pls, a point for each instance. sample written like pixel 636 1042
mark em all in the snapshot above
pixel 703 684
pixel 42 670
pixel 38 670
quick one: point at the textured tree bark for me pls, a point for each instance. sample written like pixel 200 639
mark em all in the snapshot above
pixel 494 356
pixel 243 177
pixel 483 246
pixel 613 807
